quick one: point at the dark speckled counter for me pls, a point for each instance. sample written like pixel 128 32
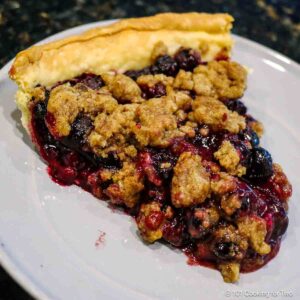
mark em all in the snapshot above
pixel 274 23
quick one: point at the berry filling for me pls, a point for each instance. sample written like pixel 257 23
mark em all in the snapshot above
pixel 241 220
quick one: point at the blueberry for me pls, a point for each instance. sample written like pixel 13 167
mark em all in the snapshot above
pixel 40 110
pixel 187 59
pixel 79 131
pixel 93 82
pixel 81 127
pixel 224 250
pixel 110 162
pixel 155 91
pixel 90 80
pixel 174 232
pixel 163 162
pixel 281 225
pixel 166 65
pixel 260 164
pixel 251 136
pixel 254 139
pixel 245 153
pixel 134 74
pixel 237 105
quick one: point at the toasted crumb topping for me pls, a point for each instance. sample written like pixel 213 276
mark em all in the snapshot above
pixel 184 80
pixel 123 88
pixel 230 203
pixel 197 82
pixel 213 112
pixel 190 183
pixel 150 221
pixel 227 78
pixel 254 228
pixel 111 131
pixel 208 216
pixel 229 159
pixel 175 148
pixel 152 80
pixel 230 271
pixel 257 127
pixel 66 102
pixel 157 122
pixel 223 183
pixel 126 186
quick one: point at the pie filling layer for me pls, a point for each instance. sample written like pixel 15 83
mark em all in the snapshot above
pixel 174 146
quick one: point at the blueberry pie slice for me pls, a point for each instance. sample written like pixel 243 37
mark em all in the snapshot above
pixel 147 113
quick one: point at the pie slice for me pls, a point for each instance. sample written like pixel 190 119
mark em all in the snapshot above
pixel 147 114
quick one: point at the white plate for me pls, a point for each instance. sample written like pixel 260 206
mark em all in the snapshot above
pixel 48 232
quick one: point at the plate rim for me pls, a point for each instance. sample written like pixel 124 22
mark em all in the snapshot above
pixel 19 275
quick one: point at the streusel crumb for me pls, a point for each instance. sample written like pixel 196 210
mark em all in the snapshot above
pixel 152 80
pixel 213 112
pixel 230 271
pixel 150 221
pixel 126 186
pixel 191 183
pixel 123 88
pixel 227 78
pixel 229 159
pixel 157 122
pixel 231 203
pixel 254 228
pixel 223 183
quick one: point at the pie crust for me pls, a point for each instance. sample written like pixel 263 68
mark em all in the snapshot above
pixel 124 45
pixel 147 114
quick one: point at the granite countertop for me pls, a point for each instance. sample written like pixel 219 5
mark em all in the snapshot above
pixel 274 23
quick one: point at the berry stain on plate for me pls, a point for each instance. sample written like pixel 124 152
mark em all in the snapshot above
pixel 100 241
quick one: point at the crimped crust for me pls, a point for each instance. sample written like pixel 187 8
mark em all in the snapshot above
pixel 124 45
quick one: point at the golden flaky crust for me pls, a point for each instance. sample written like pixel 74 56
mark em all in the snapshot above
pixel 124 45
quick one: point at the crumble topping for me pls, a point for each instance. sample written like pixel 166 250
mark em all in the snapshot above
pixel 230 271
pixel 231 203
pixel 65 103
pixel 190 183
pixel 257 127
pixel 223 183
pixel 126 186
pixel 213 112
pixel 123 88
pixel 208 217
pixel 254 228
pixel 112 131
pixel 229 159
pixel 227 78
pixel 157 123
pixel 150 222
pixel 152 80
pixel 174 146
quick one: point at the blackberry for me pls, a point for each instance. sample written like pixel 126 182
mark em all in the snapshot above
pixel 225 250
pixel 166 65
pixel 237 106
pixel 80 129
pixel 90 80
pixel 250 136
pixel 155 91
pixel 187 59
pixel 134 74
pixel 260 164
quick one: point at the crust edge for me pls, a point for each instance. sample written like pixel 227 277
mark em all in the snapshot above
pixel 33 62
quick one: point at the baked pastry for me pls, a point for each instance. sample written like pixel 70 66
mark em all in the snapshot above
pixel 147 113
